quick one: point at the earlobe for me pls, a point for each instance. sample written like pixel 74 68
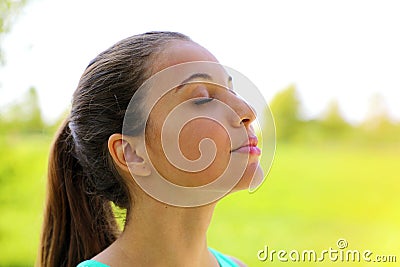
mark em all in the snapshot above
pixel 139 168
pixel 127 154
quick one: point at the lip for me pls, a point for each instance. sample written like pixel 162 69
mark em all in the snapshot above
pixel 249 147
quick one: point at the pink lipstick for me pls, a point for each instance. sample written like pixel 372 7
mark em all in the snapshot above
pixel 249 147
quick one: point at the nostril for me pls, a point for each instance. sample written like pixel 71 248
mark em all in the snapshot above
pixel 245 121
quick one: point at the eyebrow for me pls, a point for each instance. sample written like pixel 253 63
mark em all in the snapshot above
pixel 204 76
pixel 194 76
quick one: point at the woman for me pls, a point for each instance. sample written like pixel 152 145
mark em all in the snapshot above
pixel 93 163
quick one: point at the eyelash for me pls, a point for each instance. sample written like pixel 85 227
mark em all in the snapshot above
pixel 203 100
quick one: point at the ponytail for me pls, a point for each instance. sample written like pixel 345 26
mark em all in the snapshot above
pixel 77 225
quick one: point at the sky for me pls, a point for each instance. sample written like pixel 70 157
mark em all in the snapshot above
pixel 344 50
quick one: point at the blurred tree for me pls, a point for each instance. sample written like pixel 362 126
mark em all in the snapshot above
pixel 8 11
pixel 285 107
pixel 33 113
pixel 333 122
pixel 378 124
pixel 24 116
pixel 378 117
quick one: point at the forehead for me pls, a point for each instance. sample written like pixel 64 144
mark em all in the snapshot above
pixel 177 52
pixel 177 63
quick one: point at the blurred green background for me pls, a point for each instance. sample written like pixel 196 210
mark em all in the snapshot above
pixel 330 180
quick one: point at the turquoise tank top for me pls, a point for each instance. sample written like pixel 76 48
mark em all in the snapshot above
pixel 223 260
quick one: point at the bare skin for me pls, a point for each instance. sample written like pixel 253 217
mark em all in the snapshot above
pixel 157 234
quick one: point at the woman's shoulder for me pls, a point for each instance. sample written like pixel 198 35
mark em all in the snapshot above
pixel 91 263
pixel 225 260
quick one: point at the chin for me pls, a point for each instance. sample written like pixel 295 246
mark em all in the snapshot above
pixel 251 179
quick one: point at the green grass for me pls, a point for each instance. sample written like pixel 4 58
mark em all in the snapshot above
pixel 22 185
pixel 313 196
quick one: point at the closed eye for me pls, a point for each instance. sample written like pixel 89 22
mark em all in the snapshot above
pixel 203 100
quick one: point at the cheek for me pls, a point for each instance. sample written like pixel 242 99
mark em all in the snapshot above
pixel 189 139
pixel 199 129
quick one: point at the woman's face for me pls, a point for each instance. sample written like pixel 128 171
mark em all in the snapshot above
pixel 200 95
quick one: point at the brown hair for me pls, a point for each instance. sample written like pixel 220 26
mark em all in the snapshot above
pixel 82 180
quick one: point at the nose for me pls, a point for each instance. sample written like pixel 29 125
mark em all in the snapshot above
pixel 246 113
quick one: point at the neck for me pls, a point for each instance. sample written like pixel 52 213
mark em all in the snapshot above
pixel 173 236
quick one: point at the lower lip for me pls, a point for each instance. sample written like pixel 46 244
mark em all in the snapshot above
pixel 253 150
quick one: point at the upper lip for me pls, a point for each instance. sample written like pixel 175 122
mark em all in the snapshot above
pixel 252 141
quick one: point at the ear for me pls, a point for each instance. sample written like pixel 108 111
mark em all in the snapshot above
pixel 128 153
